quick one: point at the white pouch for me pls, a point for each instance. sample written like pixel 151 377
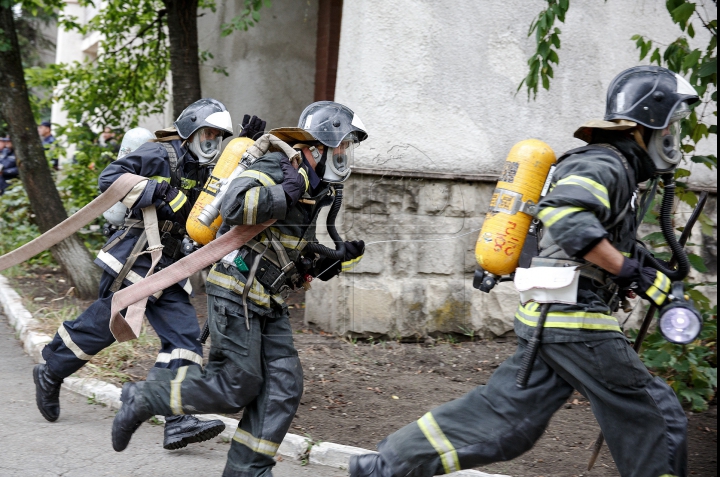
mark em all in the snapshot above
pixel 547 284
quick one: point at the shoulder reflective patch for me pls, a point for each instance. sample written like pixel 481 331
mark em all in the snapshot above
pixel 550 215
pixel 595 188
pixel 263 178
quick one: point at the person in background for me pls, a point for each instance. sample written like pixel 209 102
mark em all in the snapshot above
pixel 45 132
pixel 8 165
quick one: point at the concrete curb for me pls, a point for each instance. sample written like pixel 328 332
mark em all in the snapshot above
pixel 293 446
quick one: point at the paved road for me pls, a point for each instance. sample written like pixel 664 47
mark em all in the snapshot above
pixel 78 444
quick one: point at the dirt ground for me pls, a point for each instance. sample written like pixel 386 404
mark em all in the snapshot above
pixel 356 393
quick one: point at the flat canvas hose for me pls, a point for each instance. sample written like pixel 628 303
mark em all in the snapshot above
pixel 75 222
pixel 653 308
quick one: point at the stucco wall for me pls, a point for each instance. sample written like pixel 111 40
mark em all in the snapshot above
pixel 271 66
pixel 435 85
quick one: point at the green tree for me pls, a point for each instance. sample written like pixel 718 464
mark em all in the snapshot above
pixel 32 164
pixel 691 370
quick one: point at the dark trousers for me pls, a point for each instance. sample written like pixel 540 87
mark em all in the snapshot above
pixel 641 418
pixel 172 316
pixel 257 369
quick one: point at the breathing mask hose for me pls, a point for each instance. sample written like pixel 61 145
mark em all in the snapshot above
pixel 666 208
pixel 339 252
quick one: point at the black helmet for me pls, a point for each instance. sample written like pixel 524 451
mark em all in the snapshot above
pixel 330 122
pixel 206 112
pixel 648 95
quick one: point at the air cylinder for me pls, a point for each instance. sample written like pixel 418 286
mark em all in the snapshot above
pixel 226 165
pixel 512 205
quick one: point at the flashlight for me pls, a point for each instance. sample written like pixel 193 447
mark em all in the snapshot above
pixel 680 322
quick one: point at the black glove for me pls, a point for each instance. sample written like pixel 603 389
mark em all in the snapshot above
pixel 353 250
pixel 651 284
pixel 252 127
pixel 175 199
pixel 293 183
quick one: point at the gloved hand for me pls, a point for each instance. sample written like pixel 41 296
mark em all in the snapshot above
pixel 649 283
pixel 293 183
pixel 252 127
pixel 353 254
pixel 175 199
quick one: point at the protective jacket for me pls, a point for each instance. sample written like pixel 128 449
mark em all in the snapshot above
pixel 9 168
pixel 593 196
pixel 255 197
pixel 152 160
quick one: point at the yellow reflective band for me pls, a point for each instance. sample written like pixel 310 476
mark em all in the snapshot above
pixel 261 446
pixel 530 314
pixel 263 178
pixel 287 241
pixel 175 385
pixel 659 289
pixel 350 264
pixel 304 175
pixel 178 202
pixel 252 199
pixel 72 346
pixel 440 443
pixel 160 179
pixel 257 293
pixel 187 184
pixel 595 188
pixel 550 215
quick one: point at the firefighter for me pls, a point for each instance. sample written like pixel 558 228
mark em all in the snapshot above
pixel 176 164
pixel 253 363
pixel 590 219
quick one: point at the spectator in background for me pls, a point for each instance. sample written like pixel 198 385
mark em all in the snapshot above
pixel 8 165
pixel 45 132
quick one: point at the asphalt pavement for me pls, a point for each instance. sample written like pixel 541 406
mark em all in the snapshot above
pixel 78 443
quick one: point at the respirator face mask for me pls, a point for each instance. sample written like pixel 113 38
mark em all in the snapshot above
pixel 664 144
pixel 339 161
pixel 205 145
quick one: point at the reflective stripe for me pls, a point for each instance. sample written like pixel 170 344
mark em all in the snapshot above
pixel 287 241
pixel 529 315
pixel 132 277
pixel 263 178
pixel 177 203
pixel 180 353
pixel 304 175
pixel 228 282
pixel 595 188
pixel 350 264
pixel 175 390
pixel 440 443
pixel 187 184
pixel 659 289
pixel 260 446
pixel 72 346
pixel 252 198
pixel 550 215
pixel 161 179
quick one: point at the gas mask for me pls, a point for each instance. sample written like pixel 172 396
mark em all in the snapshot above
pixel 664 144
pixel 205 144
pixel 337 161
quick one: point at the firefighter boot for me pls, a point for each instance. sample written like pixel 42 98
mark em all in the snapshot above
pixel 47 392
pixel 368 465
pixel 131 415
pixel 183 430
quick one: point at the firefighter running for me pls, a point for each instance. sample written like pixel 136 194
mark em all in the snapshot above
pixel 590 219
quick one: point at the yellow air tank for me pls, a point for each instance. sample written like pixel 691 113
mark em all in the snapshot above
pixel 507 222
pixel 226 165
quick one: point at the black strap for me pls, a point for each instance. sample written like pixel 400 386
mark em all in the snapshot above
pixel 175 170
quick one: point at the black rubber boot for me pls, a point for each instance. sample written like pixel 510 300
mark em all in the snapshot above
pixel 183 430
pixel 130 416
pixel 47 392
pixel 368 465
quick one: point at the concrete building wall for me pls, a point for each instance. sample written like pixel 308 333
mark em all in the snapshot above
pixel 435 84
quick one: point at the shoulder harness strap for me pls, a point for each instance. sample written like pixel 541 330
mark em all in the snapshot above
pixel 175 170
